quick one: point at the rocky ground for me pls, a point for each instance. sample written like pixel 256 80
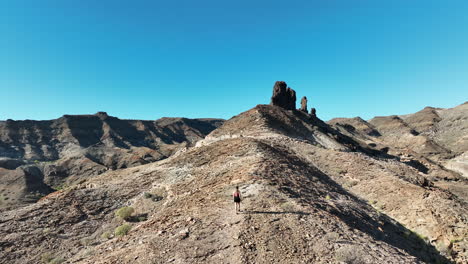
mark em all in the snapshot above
pixel 312 194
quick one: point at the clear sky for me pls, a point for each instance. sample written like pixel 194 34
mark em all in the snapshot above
pixel 148 59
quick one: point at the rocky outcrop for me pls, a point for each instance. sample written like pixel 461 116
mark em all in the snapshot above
pixel 313 112
pixel 10 164
pixel 303 104
pixel 283 96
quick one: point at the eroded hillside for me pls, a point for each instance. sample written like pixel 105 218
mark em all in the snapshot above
pixel 311 195
pixel 38 157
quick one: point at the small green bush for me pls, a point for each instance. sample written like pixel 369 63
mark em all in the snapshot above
pixel 456 240
pixel 106 235
pixel 125 212
pixel 48 258
pixel 57 260
pixel 33 197
pixel 86 241
pixel 422 237
pixel 351 184
pixel 61 187
pixel 142 218
pixel 122 230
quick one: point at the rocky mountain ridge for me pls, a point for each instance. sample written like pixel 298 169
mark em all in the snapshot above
pixel 435 134
pixel 312 193
pixel 37 157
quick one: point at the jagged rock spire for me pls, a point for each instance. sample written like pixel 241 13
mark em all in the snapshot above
pixel 283 96
pixel 304 104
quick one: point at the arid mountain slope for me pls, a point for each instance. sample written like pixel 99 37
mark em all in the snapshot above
pixel 436 136
pixel 448 128
pixel 39 156
pixel 311 195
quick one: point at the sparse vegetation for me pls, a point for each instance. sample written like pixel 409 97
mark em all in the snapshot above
pixel 327 197
pixel 456 240
pixel 88 252
pixel 421 239
pixel 350 184
pixel 142 218
pixel 48 258
pixel 60 187
pixel 125 212
pixel 33 197
pixel 425 238
pixel 86 241
pixel 444 249
pixel 340 171
pixel 122 230
pixel 287 206
pixel 106 235
pixel 57 260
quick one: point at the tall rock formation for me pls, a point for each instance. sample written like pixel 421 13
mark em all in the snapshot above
pixel 283 96
pixel 304 104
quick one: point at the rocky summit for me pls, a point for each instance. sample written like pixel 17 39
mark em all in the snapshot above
pixel 283 96
pixel 387 190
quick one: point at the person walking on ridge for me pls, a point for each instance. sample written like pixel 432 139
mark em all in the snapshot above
pixel 237 199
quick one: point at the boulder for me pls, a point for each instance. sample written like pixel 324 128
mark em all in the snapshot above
pixel 283 96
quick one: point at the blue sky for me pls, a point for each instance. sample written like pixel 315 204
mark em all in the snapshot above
pixel 149 59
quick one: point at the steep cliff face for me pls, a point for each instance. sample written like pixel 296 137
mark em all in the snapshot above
pixel 72 148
